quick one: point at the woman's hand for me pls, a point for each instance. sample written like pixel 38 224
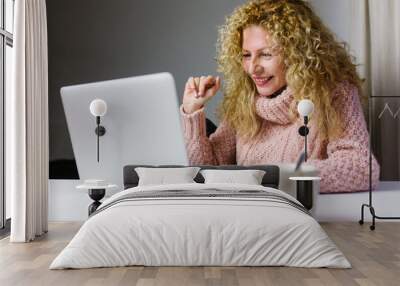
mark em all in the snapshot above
pixel 199 90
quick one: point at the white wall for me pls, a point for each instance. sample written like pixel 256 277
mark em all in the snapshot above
pixel 336 15
pixel 66 203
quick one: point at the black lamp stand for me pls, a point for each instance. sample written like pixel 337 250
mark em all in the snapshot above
pixel 96 195
pixel 304 193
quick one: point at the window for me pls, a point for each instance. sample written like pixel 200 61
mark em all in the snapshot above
pixel 6 44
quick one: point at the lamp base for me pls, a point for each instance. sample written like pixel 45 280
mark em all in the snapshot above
pixel 96 195
pixel 304 192
pixel 303 130
pixel 100 130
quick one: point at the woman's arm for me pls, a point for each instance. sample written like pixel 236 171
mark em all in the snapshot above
pixel 347 167
pixel 219 149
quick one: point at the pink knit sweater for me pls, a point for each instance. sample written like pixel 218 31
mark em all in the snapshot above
pixel 343 164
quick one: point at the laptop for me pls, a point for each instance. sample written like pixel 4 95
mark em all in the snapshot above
pixel 142 125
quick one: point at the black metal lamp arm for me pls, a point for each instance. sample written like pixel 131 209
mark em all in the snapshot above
pixel 98 136
pixel 303 131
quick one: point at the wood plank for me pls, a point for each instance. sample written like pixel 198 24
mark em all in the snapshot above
pixel 375 258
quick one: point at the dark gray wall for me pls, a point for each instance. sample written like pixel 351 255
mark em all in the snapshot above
pixel 95 40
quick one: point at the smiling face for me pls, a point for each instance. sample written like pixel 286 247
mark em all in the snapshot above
pixel 262 61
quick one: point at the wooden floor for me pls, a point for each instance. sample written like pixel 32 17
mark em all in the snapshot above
pixel 375 257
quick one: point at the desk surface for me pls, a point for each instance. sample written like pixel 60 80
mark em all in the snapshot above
pixel 304 178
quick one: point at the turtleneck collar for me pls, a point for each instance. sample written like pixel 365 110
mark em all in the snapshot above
pixel 276 109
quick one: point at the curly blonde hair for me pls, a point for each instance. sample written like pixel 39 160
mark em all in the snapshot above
pixel 315 63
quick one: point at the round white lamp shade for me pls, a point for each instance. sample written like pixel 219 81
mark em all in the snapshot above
pixel 98 107
pixel 305 107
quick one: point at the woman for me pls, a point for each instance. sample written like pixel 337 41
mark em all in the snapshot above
pixel 273 54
